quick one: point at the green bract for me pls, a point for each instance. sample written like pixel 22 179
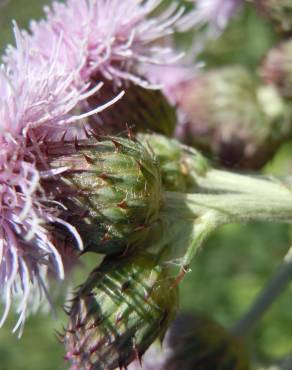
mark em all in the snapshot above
pixel 118 312
pixel 179 164
pixel 111 189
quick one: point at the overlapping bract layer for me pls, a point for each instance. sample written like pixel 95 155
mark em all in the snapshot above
pixel 118 312
pixel 111 189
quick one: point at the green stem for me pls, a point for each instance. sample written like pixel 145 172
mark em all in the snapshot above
pixel 266 298
pixel 231 182
pixel 231 208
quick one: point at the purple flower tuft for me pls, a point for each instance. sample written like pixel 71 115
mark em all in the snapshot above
pixel 214 13
pixel 105 38
pixel 26 248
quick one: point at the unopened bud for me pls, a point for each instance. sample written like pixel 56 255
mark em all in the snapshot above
pixel 277 68
pixel 279 12
pixel 118 312
pixel 111 190
pixel 224 117
pixel 197 342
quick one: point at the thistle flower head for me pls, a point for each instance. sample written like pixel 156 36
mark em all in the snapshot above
pixel 27 249
pixel 223 115
pixel 118 312
pixel 108 38
pixel 277 68
pixel 278 11
pixel 34 98
pixel 111 190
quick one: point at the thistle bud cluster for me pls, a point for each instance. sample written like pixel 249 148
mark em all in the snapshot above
pixel 144 200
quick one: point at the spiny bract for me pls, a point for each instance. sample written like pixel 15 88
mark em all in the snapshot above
pixel 111 190
pixel 120 310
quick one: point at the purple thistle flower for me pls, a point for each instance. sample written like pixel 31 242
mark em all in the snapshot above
pixel 214 13
pixel 109 39
pixel 44 86
pixel 26 251
pixel 37 99
pixel 172 78
pixel 41 94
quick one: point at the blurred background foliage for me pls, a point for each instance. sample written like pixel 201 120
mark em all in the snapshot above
pixel 234 264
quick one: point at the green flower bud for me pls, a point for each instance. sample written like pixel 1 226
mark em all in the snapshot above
pixel 118 312
pixel 278 11
pixel 111 189
pixel 141 109
pixel 179 164
pixel 224 117
pixel 200 343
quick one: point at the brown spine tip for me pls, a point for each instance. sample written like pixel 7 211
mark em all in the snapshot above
pixel 103 176
pixel 63 137
pixel 105 238
pixel 116 144
pixel 88 159
pixel 130 133
pixel 125 286
pixel 137 354
pixel 76 145
pixel 183 271
pixel 122 204
pixel 140 228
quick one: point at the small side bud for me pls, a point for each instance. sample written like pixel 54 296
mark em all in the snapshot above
pixel 179 165
pixel 118 312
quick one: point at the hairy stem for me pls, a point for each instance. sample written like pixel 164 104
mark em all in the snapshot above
pixel 231 208
pixel 231 182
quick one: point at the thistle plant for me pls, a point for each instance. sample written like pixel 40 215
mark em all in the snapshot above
pixel 147 202
pixel 45 82
pixel 117 197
